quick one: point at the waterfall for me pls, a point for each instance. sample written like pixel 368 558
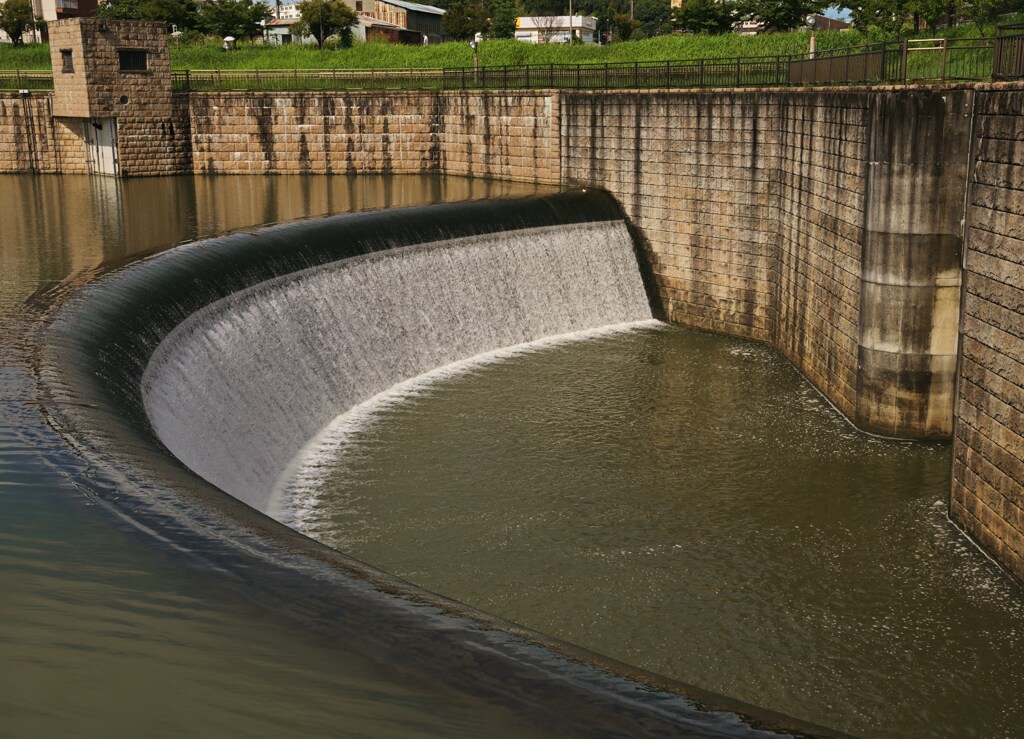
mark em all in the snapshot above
pixel 239 387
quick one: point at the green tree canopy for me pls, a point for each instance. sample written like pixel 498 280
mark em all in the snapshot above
pixel 885 17
pixel 238 18
pixel 624 26
pixel 15 18
pixel 782 15
pixel 706 16
pixel 324 18
pixel 655 17
pixel 181 13
pixel 503 15
pixel 465 18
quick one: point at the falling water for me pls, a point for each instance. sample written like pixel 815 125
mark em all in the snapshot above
pixel 237 389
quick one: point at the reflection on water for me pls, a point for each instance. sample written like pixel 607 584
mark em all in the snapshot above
pixel 98 636
pixel 687 503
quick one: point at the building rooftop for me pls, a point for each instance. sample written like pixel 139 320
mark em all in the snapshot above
pixel 417 7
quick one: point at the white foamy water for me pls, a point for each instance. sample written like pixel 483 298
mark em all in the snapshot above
pixel 239 388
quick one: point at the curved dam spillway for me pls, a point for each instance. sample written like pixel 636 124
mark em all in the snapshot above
pixel 218 361
pixel 237 389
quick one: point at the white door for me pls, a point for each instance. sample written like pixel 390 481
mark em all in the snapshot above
pixel 101 145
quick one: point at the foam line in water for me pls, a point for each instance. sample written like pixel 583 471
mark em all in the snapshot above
pixel 297 489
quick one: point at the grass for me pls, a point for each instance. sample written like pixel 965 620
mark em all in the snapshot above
pixel 495 52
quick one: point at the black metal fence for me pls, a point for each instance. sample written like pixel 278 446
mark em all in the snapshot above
pixel 917 60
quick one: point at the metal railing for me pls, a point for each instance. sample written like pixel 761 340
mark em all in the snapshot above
pixel 1009 57
pixel 916 60
pixel 20 80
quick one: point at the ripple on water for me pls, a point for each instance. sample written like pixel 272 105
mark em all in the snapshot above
pixel 687 503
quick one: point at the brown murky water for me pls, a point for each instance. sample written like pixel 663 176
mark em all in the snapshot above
pixel 99 635
pixel 687 503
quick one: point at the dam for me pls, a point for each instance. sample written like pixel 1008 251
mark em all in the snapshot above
pixel 866 235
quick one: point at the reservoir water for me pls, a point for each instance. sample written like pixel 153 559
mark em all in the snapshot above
pixel 680 502
pixel 101 634
pixel 688 503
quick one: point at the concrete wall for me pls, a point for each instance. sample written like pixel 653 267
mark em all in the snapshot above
pixel 988 446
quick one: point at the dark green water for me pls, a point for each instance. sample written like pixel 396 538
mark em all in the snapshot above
pixel 101 636
pixel 687 503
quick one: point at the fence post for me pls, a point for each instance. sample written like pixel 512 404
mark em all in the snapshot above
pixel 668 74
pixel 552 85
pixel 527 77
pixel 636 75
pixel 188 80
pixel 700 82
pixel 606 75
pixel 578 70
pixel 737 71
pixel 945 56
pixel 904 55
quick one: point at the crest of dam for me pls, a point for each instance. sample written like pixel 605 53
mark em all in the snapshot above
pixel 219 361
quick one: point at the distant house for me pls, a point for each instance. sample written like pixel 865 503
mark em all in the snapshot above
pixel 556 29
pixel 54 10
pixel 821 23
pixel 279 31
pixel 426 19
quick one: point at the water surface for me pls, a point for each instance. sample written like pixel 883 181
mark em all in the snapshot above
pixel 101 635
pixel 687 503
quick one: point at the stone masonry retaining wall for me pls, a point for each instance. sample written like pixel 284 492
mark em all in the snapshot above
pixel 495 135
pixel 988 446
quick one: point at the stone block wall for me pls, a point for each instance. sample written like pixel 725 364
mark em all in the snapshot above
pixel 823 143
pixel 494 135
pixel 696 173
pixel 32 140
pixel 988 447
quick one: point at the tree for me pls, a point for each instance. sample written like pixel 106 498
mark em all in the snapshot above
pixel 782 15
pixel 464 19
pixel 705 16
pixel 15 18
pixel 238 18
pixel 180 13
pixel 981 12
pixel 324 18
pixel 885 17
pixel 624 26
pixel 503 13
pixel 655 17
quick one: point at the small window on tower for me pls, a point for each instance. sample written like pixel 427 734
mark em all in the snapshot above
pixel 67 63
pixel 359 6
pixel 133 60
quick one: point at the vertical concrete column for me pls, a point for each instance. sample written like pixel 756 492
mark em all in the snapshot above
pixel 910 294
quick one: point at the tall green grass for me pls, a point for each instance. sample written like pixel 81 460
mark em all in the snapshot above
pixel 494 52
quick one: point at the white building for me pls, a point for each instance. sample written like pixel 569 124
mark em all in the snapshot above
pixel 556 29
pixel 290 12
